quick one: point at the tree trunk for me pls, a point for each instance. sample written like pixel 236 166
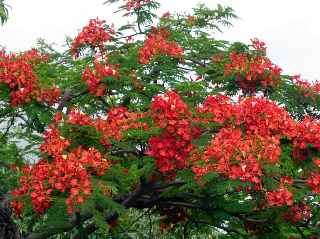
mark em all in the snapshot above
pixel 8 228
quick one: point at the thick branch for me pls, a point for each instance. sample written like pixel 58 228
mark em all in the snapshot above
pixel 67 97
pixel 8 229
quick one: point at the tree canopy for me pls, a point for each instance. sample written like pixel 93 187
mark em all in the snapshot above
pixel 156 129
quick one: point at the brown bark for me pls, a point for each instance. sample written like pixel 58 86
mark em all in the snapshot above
pixel 8 228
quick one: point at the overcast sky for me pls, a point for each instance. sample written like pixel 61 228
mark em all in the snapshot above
pixel 289 27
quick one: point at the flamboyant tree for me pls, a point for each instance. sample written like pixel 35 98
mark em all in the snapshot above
pixel 156 129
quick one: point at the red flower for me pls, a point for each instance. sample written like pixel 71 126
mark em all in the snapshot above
pixel 300 212
pixel 286 180
pixel 166 15
pixel 17 207
pixel 54 144
pixel 307 88
pixel 135 4
pixel 94 78
pixel 157 43
pixel 66 173
pixel 172 148
pixel 76 117
pixel 307 134
pixel 18 74
pixel 258 45
pixel 314 182
pixel 280 198
pixel 217 109
pixel 57 117
pixel 93 35
pixel 253 71
pixel 49 96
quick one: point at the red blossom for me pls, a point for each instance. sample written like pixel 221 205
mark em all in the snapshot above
pixel 17 207
pixel 307 88
pixel 314 182
pixel 94 78
pixel 279 198
pixel 119 120
pixel 76 117
pixel 265 118
pixel 50 95
pixel 253 71
pixel 135 4
pixel 258 45
pixel 238 157
pixel 297 213
pixel 250 137
pixel 217 109
pixel 157 43
pixel 172 148
pixel 57 117
pixel 33 56
pixel 166 15
pixel 66 173
pixel 286 180
pixel 307 134
pixel 54 144
pixel 94 35
pixel 16 71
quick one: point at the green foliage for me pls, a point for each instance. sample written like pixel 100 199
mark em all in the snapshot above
pixel 3 12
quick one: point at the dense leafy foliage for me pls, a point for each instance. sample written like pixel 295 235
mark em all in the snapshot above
pixel 3 12
pixel 157 123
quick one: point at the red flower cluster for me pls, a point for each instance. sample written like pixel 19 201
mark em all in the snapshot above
pixel 173 146
pixel 54 144
pixel 16 71
pixel 307 134
pixel 257 116
pixel 280 198
pixel 263 117
pixel 33 56
pixel 166 15
pixel 249 138
pixel 94 35
pixel 217 58
pixel 217 109
pixel 314 182
pixel 157 43
pixel 307 88
pixel 300 212
pixel 77 117
pixel 135 4
pixel 253 71
pixel 237 156
pixel 94 78
pixel 49 95
pixel 32 182
pixel 258 45
pixel 19 76
pixel 66 172
pixel 17 207
pixel 118 121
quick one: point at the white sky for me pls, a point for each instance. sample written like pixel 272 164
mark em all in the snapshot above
pixel 289 27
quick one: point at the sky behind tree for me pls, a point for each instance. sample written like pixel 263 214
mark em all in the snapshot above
pixel 289 27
